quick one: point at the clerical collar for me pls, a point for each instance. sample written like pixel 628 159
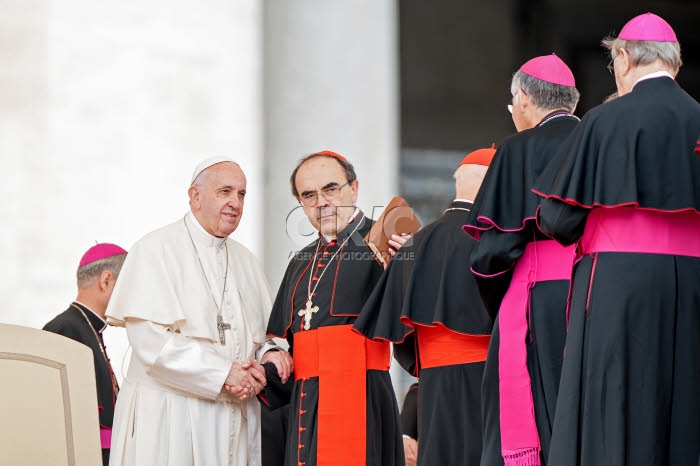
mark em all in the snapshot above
pixel 464 200
pixel 94 318
pixel 557 114
pixel 655 74
pixel 204 236
pixel 342 234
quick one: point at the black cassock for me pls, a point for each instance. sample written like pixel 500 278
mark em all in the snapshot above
pixel 630 384
pixel 428 283
pixel 73 325
pixel 273 430
pixel 342 290
pixel 505 200
pixel 409 413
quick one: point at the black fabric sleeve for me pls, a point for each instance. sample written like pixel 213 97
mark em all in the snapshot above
pixel 563 222
pixel 493 260
pixel 276 394
pixel 406 354
pixel 492 290
pixel 409 413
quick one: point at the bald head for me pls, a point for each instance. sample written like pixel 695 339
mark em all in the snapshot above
pixel 468 180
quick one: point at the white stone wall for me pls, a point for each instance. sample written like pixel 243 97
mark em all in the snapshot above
pixel 105 108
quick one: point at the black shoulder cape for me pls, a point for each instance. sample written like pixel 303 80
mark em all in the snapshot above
pixel 504 200
pixel 428 282
pixel 636 150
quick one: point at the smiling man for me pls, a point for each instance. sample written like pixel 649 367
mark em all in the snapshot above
pixel 195 304
pixel 343 408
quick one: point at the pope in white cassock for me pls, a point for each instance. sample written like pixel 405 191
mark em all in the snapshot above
pixel 195 304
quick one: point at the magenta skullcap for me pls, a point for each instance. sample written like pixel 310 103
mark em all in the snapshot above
pixel 648 27
pixel 100 251
pixel 551 69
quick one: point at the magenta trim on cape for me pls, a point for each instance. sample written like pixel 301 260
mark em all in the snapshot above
pixel 475 231
pixel 482 275
pixel 596 205
pixel 541 261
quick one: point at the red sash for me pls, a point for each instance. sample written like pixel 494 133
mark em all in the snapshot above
pixel 439 346
pixel 340 359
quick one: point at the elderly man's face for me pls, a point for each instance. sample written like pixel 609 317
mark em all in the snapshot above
pixel 217 198
pixel 329 216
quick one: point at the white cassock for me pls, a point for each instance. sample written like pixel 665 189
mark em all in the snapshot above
pixel 172 409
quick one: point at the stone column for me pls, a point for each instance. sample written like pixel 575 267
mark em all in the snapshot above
pixel 330 82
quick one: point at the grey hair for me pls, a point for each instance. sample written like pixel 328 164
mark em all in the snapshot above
pixel 644 52
pixel 545 95
pixel 87 274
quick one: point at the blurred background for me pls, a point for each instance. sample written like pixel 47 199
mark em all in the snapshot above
pixel 106 107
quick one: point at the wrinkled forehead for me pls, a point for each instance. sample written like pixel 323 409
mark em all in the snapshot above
pixel 318 172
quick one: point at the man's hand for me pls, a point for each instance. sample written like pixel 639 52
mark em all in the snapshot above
pixel 395 243
pixel 282 361
pixel 245 380
pixel 410 451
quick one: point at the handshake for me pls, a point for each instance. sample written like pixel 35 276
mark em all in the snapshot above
pixel 245 380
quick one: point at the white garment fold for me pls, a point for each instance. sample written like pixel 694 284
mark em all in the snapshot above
pixel 188 365
pixel 172 409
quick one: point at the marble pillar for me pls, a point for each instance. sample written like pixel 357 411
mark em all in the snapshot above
pixel 330 82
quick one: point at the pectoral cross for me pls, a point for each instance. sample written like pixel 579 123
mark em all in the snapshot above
pixel 307 313
pixel 221 325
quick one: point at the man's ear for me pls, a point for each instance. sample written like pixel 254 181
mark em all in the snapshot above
pixel 524 100
pixel 193 193
pixel 105 278
pixel 625 62
pixel 355 185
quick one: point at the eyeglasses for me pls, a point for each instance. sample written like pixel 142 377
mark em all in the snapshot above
pixel 611 65
pixel 309 199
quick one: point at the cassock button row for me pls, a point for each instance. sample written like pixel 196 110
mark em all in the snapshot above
pixel 302 429
pixel 302 411
pixel 301 446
